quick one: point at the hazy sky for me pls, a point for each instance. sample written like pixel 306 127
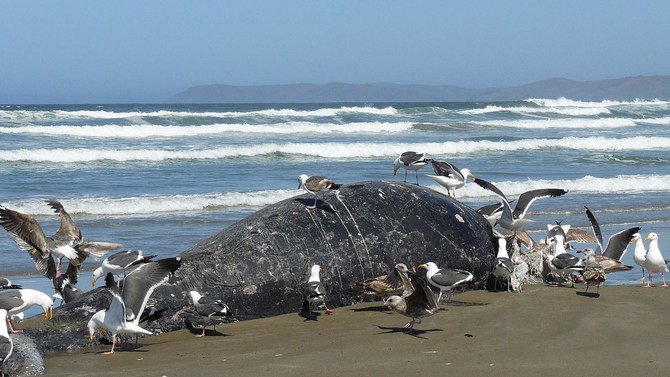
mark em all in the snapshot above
pixel 145 51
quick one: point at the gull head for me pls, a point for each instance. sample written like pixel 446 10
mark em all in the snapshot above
pixel 302 179
pixel 392 302
pixel 636 237
pixel 652 237
pixel 429 266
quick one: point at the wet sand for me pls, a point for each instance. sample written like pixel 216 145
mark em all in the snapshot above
pixel 621 333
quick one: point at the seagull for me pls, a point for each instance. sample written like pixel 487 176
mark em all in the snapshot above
pixel 654 261
pixel 212 309
pixel 561 263
pixel 66 242
pixel 128 302
pixel 417 300
pixel 569 233
pixel 514 220
pixel 445 279
pixel 7 284
pixel 315 184
pixel 504 266
pixel 410 161
pixel 315 291
pixel 617 244
pixel 593 271
pixel 640 254
pixel 19 300
pixel 492 212
pixel 120 262
pixel 6 344
pixel 384 285
pixel 449 176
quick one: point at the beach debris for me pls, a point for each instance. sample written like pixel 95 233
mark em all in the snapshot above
pixel 417 300
pixel 315 184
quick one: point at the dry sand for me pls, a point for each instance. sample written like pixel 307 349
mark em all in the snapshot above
pixel 622 333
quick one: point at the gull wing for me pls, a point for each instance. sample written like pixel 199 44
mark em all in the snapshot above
pixel 24 230
pixel 618 243
pixel 141 282
pixel 596 230
pixel 528 197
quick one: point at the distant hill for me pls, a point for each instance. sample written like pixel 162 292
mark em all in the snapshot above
pixel 628 88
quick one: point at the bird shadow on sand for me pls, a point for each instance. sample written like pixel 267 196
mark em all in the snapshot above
pixel 310 316
pixel 208 332
pixel 588 294
pixel 412 332
pixel 320 204
pixel 380 308
pixel 463 303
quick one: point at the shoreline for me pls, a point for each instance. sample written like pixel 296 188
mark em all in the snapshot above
pixel 480 333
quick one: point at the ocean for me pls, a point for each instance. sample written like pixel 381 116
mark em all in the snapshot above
pixel 161 177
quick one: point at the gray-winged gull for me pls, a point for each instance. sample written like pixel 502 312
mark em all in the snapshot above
pixel 445 279
pixel 209 308
pixel 120 263
pixel 640 253
pixel 316 294
pixel 514 220
pixel 561 263
pixel 617 244
pixel 7 284
pixel 19 300
pixel 128 302
pixel 315 184
pixel 449 176
pixel 410 161
pixel 504 266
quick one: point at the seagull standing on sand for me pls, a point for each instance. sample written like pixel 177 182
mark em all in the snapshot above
pixel 417 300
pixel 16 301
pixel 654 261
pixel 128 302
pixel 514 220
pixel 315 292
pixel 449 176
pixel 6 344
pixel 120 262
pixel 504 266
pixel 445 279
pixel 640 253
pixel 410 161
pixel 315 184
pixel 211 309
pixel 593 272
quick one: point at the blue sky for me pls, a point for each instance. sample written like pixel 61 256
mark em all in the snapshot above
pixel 145 51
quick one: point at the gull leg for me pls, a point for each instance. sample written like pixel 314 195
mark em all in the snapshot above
pixel 642 276
pixel 405 176
pixel 651 277
pixel 203 332
pixel 113 345
pixel 11 327
pixel 417 177
pixel 665 285
pixel 58 272
pixel 439 296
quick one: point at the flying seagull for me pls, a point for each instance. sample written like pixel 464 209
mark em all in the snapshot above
pixel 316 183
pixel 417 300
pixel 384 285
pixel 66 242
pixel 410 161
pixel 617 244
pixel 514 220
pixel 449 176
pixel 445 279
pixel 128 302
pixel 208 308
pixel 120 262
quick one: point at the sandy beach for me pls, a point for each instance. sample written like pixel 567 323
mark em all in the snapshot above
pixel 621 333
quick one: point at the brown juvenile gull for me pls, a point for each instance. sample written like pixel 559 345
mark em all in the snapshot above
pixel 316 183
pixel 593 272
pixel 417 300
pixel 449 176
pixel 410 161
pixel 66 242
pixel 384 285
pixel 209 308
pixel 445 279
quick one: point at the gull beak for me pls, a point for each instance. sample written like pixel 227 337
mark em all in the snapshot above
pixel 90 338
pixel 51 313
pixel 93 283
pixel 320 269
pixel 472 176
pixel 46 314
pixel 422 266
pixel 647 239
pixel 299 185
